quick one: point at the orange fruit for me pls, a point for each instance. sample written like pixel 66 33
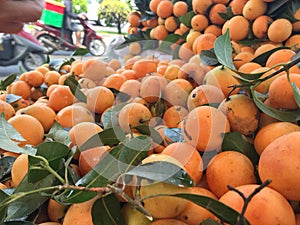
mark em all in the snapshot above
pixel 201 6
pixel 180 8
pixel 282 154
pixel 260 26
pixel 280 30
pixel 134 19
pixel 132 115
pixel 238 28
pixel 266 207
pixel 188 156
pixel 51 77
pixel 34 78
pixel 82 131
pixel 20 88
pixel 174 115
pixel 164 9
pixel 22 123
pixel 19 170
pixel 241 112
pixel 203 42
pixel 177 91
pixel 254 8
pixel 99 99
pixel 194 214
pixel 270 132
pixel 199 22
pixel 214 13
pixel 204 127
pixel 204 94
pixel 229 168
pixel 89 158
pixel 281 94
pixel 44 114
pixel 143 67
pixel 7 109
pixel 114 81
pixel 72 115
pixel 61 97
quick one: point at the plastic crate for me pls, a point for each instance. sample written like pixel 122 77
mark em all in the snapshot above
pixel 53 14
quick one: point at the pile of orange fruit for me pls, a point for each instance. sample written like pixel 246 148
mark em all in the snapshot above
pixel 197 99
pixel 199 22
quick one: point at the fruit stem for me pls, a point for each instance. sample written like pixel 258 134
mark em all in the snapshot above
pixel 45 165
pixel 284 68
pixel 241 218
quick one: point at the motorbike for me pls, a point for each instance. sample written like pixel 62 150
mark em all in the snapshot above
pixel 21 47
pixel 54 39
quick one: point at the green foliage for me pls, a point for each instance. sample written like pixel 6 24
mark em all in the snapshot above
pixel 114 13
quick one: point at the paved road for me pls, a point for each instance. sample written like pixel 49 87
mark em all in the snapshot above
pixel 5 71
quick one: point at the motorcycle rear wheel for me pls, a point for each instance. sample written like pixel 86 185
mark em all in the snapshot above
pixel 33 60
pixel 97 47
pixel 48 42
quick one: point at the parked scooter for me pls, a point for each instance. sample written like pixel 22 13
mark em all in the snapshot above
pixel 54 39
pixel 21 47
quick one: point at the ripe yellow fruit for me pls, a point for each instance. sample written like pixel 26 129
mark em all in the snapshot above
pixel 242 113
pixel 173 206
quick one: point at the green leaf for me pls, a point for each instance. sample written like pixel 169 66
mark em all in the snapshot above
pixel 133 152
pixel 27 204
pixel 296 92
pixel 223 50
pixel 123 97
pixel 219 209
pixel 276 8
pixel 104 173
pixel 5 167
pixel 75 88
pixel 209 58
pixel 80 52
pixel 20 222
pixel 111 136
pixel 262 58
pixel 209 222
pixel 162 171
pixel 109 118
pixel 228 15
pixel 10 138
pixel 53 152
pixel 287 116
pixel 186 19
pixel 107 211
pixel 59 134
pixel 238 142
pixel 151 132
pixel 7 81
pixel 3 210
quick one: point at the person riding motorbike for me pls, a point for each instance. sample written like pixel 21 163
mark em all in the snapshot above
pixel 69 26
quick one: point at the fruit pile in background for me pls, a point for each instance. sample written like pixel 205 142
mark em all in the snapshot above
pixel 196 24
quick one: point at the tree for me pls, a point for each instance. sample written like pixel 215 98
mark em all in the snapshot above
pixel 114 12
